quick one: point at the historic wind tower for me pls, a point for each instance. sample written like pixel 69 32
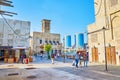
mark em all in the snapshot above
pixel 45 26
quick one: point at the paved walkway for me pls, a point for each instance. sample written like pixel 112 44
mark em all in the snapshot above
pixel 37 71
pixel 97 67
pixel 44 70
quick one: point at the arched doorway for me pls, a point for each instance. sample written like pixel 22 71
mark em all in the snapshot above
pixel 115 27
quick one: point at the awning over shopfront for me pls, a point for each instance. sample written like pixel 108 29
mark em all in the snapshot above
pixel 5 47
pixel 15 48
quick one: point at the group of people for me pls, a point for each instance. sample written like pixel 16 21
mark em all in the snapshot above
pixel 80 57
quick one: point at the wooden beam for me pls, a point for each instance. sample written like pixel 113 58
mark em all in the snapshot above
pixel 1 11
pixel 6 1
pixel 7 14
pixel 6 4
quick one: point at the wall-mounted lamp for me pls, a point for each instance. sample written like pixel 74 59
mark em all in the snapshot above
pixel 117 53
pixel 94 47
pixel 109 45
pixel 87 47
pixel 98 43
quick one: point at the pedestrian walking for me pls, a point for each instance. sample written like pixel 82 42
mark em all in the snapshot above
pixel 85 59
pixel 77 58
pixel 41 55
pixel 20 59
pixel 52 58
pixel 81 58
pixel 24 59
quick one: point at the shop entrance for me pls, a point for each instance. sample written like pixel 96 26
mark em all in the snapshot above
pixel 2 55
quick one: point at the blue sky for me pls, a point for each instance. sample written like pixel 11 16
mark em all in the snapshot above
pixel 67 16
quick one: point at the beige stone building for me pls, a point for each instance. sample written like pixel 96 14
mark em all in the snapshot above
pixel 39 39
pixel 101 41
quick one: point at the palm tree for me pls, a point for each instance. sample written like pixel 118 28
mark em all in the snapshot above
pixel 47 49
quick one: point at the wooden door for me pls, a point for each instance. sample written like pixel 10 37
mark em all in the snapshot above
pixel 95 55
pixel 108 55
pixel 111 55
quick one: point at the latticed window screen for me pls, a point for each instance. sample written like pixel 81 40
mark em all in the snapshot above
pixel 94 38
pixel 113 2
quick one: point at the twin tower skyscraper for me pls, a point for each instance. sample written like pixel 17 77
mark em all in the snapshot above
pixel 78 41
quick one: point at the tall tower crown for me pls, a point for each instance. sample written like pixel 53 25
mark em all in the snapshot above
pixel 46 26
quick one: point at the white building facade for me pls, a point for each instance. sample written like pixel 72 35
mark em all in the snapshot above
pixel 14 34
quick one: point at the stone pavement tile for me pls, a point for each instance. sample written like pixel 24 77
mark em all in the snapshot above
pixel 40 73
pixel 113 71
pixel 44 69
pixel 52 74
pixel 5 74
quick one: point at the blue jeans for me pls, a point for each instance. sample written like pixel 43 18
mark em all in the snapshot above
pixel 76 60
pixel 85 63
